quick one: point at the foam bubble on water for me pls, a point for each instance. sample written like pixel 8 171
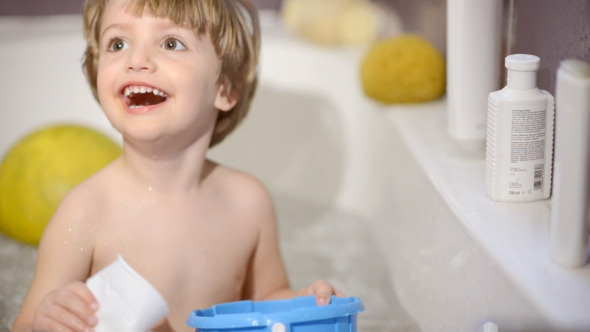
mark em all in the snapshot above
pixel 17 262
pixel 320 242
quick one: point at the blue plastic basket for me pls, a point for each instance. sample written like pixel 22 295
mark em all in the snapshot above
pixel 300 314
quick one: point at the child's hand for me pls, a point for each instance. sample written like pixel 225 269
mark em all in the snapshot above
pixel 69 308
pixel 322 290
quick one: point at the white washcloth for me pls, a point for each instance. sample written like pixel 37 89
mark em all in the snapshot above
pixel 127 301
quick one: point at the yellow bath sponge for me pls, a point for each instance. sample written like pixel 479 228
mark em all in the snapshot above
pixel 40 169
pixel 404 69
pixel 332 22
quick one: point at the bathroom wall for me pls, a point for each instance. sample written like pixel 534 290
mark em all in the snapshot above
pixel 552 29
pixel 40 7
pixel 50 7
pixel 424 17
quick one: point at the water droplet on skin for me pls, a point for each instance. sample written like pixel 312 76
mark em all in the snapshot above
pixel 81 213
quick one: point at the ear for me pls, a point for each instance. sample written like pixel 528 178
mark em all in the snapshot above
pixel 226 99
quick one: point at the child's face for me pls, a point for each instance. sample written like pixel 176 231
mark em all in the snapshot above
pixel 156 79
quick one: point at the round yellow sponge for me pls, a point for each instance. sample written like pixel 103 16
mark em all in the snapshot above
pixel 41 168
pixel 332 22
pixel 404 69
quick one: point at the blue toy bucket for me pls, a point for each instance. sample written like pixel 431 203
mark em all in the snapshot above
pixel 300 314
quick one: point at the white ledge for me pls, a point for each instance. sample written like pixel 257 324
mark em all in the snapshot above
pixel 515 235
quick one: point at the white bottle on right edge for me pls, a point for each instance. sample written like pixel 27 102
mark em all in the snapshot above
pixel 519 138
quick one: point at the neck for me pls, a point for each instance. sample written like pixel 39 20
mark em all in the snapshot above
pixel 166 168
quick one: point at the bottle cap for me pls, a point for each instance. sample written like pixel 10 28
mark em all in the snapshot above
pixel 522 62
pixel 576 68
pixel 522 71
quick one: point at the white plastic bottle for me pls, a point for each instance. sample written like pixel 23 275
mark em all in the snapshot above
pixel 473 55
pixel 519 146
pixel 570 204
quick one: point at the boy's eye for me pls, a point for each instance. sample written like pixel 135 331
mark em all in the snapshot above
pixel 118 44
pixel 173 44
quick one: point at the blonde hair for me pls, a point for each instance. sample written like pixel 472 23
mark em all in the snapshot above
pixel 235 33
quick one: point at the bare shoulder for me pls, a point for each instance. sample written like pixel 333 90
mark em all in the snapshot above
pixel 85 201
pixel 92 192
pixel 243 192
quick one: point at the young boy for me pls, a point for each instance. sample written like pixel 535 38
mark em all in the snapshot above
pixel 174 78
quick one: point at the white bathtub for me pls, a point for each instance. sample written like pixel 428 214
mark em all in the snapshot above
pixel 375 199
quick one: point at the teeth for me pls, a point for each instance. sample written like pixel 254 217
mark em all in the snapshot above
pixel 143 89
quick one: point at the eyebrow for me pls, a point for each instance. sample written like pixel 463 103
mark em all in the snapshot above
pixel 161 25
pixel 113 26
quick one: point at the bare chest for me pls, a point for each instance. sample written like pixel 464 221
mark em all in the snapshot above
pixel 194 257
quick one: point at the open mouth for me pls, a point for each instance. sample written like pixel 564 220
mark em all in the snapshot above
pixel 140 96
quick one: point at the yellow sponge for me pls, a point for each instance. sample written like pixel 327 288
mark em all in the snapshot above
pixel 332 22
pixel 404 69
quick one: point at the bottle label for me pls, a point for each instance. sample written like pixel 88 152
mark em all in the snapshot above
pixel 527 151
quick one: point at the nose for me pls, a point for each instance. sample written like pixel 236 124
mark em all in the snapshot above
pixel 140 59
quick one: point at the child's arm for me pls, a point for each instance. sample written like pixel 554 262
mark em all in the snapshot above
pixel 267 277
pixel 57 299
